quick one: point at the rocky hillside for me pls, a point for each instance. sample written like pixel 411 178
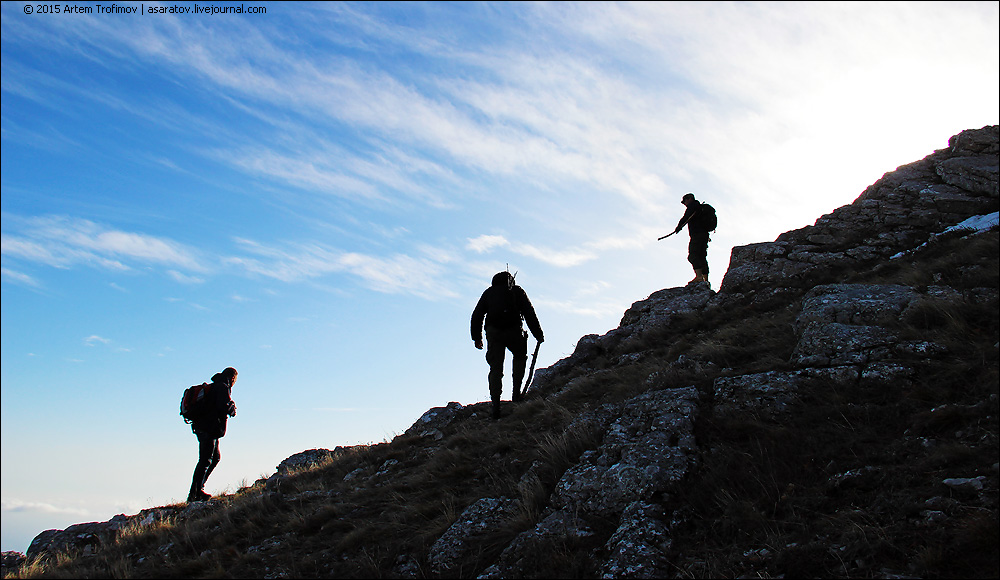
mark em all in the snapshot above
pixel 832 411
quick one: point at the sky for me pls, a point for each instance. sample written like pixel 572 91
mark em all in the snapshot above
pixel 317 194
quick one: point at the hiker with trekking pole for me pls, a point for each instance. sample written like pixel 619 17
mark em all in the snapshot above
pixel 505 305
pixel 700 220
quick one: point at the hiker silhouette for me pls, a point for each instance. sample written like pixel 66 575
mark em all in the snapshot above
pixel 700 220
pixel 505 305
pixel 209 425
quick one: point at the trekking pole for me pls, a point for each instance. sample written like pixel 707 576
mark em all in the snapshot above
pixel 666 236
pixel 534 358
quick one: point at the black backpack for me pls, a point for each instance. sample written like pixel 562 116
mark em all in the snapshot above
pixel 511 315
pixel 706 216
pixel 194 402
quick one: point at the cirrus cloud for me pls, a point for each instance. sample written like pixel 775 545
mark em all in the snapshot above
pixel 64 242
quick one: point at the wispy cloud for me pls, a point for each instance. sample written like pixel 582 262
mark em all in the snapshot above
pixel 64 242
pixel 93 340
pixel 626 102
pixel 630 100
pixel 19 278
pixel 392 274
pixel 184 278
pixel 560 258
pixel 586 307
pixel 317 173
pixel 485 243
pixel 552 115
pixel 14 506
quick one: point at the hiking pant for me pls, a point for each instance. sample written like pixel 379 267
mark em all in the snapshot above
pixel 208 458
pixel 498 342
pixel 698 251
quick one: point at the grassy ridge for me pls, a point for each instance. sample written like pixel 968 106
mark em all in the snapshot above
pixel 840 487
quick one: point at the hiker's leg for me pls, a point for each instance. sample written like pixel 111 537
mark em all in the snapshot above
pixel 519 350
pixel 701 251
pixel 495 354
pixel 216 456
pixel 206 450
pixel 698 256
pixel 693 258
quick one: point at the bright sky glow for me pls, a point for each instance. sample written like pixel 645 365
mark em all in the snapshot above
pixel 317 196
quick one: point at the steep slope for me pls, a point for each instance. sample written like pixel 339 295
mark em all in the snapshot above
pixel 831 411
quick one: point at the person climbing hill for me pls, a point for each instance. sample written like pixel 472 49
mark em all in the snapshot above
pixel 504 305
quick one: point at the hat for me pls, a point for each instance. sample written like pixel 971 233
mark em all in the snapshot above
pixel 687 196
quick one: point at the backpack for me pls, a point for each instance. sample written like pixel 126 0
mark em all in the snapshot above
pixel 194 401
pixel 707 217
pixel 511 315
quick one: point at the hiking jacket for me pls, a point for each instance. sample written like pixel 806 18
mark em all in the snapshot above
pixel 218 408
pixel 503 308
pixel 692 220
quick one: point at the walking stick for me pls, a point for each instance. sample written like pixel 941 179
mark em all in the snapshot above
pixel 534 358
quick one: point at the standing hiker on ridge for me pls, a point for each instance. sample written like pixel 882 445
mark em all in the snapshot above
pixel 700 219
pixel 209 425
pixel 504 305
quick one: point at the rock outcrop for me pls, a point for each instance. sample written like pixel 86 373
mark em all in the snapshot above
pixel 898 212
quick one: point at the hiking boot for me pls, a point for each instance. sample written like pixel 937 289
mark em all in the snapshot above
pixel 699 276
pixel 199 496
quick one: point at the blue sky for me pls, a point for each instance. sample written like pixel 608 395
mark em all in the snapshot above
pixel 317 195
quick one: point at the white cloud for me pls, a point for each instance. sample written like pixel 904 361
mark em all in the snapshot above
pixel 590 307
pixel 485 243
pixel 628 103
pixel 138 246
pixel 64 242
pixel 94 339
pixel 184 278
pixel 18 278
pixel 52 253
pixel 300 171
pixel 393 274
pixel 398 274
pixel 15 505
pixel 630 99
pixel 564 259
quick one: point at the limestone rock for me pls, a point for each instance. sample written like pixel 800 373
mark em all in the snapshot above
pixel 459 540
pixel 662 306
pixel 640 547
pixel 529 546
pixel 648 449
pixel 895 214
pixel 433 420
pixel 854 304
pixel 303 459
